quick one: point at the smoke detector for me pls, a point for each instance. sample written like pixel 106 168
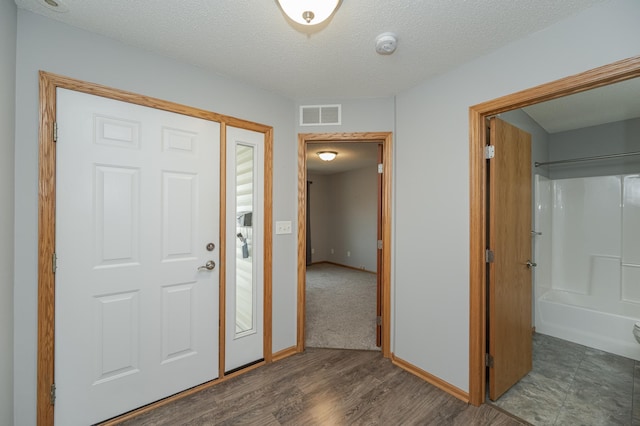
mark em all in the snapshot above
pixel 386 43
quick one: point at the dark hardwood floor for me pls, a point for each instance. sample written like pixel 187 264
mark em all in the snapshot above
pixel 324 387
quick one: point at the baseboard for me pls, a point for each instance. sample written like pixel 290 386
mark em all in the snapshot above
pixel 285 353
pixel 430 378
pixel 343 266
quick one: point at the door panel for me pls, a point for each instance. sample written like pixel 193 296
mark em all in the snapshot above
pixel 510 297
pixel 244 278
pixel 136 203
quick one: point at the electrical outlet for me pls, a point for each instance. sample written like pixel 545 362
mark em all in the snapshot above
pixel 348 253
pixel 331 251
pixel 313 251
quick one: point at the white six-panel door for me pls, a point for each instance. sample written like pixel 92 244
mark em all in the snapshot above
pixel 137 202
pixel 244 281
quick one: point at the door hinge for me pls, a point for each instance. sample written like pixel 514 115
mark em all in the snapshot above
pixel 488 360
pixel 54 262
pixel 55 131
pixel 489 256
pixel 379 244
pixel 489 152
pixel 378 320
pixel 52 394
pixel 380 168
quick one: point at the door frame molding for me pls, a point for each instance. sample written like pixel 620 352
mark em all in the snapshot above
pixel 608 74
pixel 384 138
pixel 48 83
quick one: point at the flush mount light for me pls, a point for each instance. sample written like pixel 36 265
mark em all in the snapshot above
pixel 308 12
pixel 55 5
pixel 327 155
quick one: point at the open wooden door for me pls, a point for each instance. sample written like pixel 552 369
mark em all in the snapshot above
pixel 379 262
pixel 509 238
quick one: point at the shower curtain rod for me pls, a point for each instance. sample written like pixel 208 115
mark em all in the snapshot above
pixel 597 157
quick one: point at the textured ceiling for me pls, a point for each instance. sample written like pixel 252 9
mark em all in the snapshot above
pixel 252 41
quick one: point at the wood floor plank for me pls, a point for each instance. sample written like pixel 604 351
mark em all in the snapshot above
pixel 324 387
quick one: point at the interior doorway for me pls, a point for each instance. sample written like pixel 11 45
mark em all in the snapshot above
pixel 383 269
pixel 609 74
pixel 343 200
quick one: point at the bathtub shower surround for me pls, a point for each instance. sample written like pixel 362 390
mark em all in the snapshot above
pixel 587 283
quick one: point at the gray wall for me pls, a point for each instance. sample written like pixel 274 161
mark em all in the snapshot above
pixel 44 44
pixel 358 115
pixel 344 218
pixel 431 327
pixel 610 138
pixel 320 209
pixel 354 218
pixel 8 23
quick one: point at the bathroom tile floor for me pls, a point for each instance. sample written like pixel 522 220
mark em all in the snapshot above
pixel 571 384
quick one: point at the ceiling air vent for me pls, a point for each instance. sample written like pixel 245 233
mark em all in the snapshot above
pixel 320 115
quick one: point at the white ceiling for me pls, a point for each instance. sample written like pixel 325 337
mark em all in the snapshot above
pixel 252 41
pixel 616 102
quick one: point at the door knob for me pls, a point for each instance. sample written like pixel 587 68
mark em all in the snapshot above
pixel 531 264
pixel 208 266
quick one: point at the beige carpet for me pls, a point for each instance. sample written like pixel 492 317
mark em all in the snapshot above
pixel 340 308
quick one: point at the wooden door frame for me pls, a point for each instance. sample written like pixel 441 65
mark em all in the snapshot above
pixel 379 254
pixel 612 73
pixel 48 83
pixel 384 138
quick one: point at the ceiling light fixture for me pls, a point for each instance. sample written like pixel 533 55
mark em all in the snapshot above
pixel 327 155
pixel 308 12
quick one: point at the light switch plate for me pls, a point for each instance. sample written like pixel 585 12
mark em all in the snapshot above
pixel 283 227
